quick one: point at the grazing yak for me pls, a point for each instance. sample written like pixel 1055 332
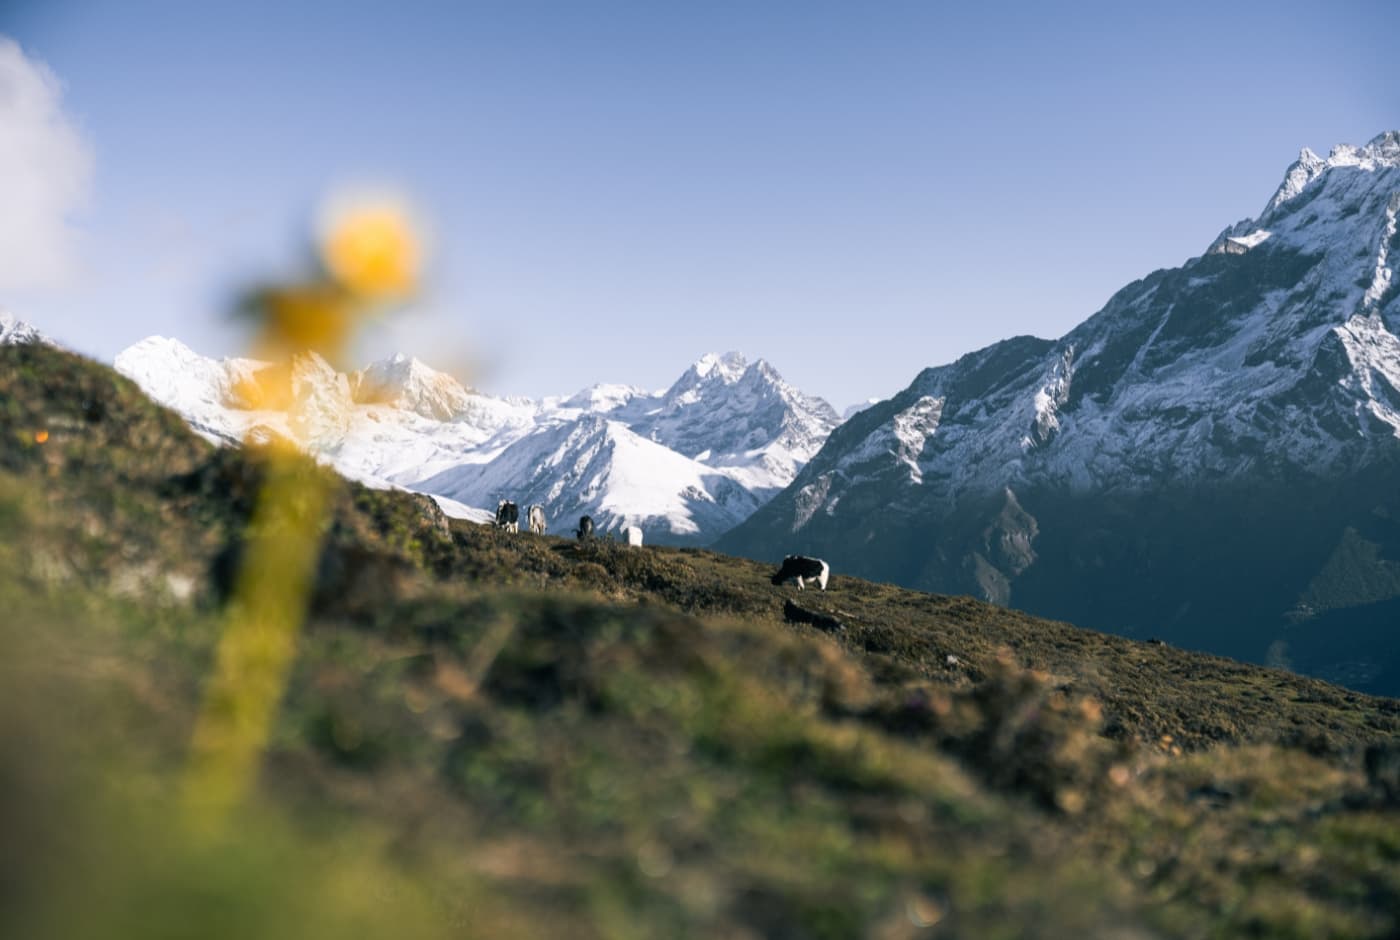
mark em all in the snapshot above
pixel 507 516
pixel 633 535
pixel 801 569
pixel 585 528
pixel 537 519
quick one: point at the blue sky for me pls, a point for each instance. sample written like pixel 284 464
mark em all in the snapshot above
pixel 852 190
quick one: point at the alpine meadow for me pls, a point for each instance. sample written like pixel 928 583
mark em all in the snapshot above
pixel 742 471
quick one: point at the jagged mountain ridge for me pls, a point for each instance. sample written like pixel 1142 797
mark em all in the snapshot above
pixel 1228 420
pixel 727 413
pixel 685 464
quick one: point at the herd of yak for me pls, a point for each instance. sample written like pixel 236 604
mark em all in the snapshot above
pixel 797 568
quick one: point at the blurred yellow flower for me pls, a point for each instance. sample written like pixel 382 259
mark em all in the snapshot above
pixel 373 249
pixel 372 253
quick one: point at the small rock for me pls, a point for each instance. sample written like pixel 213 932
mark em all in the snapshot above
pixel 794 614
pixel 1382 763
pixel 432 512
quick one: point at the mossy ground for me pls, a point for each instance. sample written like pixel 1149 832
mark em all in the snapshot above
pixel 508 735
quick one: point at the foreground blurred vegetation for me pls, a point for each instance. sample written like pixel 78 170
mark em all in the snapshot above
pixel 498 736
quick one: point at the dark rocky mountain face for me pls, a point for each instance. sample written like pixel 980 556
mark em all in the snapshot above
pixel 1212 459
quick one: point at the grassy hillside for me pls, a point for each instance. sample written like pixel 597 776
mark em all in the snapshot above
pixel 492 735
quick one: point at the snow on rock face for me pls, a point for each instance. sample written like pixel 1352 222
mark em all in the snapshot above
pixel 1239 244
pixel 1374 379
pixel 902 438
pixel 1050 398
pixel 1382 276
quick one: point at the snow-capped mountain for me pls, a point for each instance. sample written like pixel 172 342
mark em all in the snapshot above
pixel 741 417
pixel 686 464
pixel 1231 419
pixel 596 466
pixel 226 400
pixel 13 330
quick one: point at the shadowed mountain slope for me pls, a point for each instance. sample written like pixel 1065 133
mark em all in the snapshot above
pixel 1192 462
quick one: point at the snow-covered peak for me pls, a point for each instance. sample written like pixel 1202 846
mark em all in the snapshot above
pixel 603 397
pixel 714 375
pixel 727 368
pixel 1304 170
pixel 305 398
pixel 172 373
pixel 14 331
pixel 1386 147
pixel 710 375
pixel 1380 152
pixel 728 413
pixel 407 383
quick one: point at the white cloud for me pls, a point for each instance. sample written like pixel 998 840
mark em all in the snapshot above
pixel 45 168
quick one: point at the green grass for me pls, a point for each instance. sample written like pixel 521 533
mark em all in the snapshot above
pixel 493 735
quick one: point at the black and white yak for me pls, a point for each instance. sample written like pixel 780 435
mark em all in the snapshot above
pixel 585 528
pixel 801 569
pixel 507 516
